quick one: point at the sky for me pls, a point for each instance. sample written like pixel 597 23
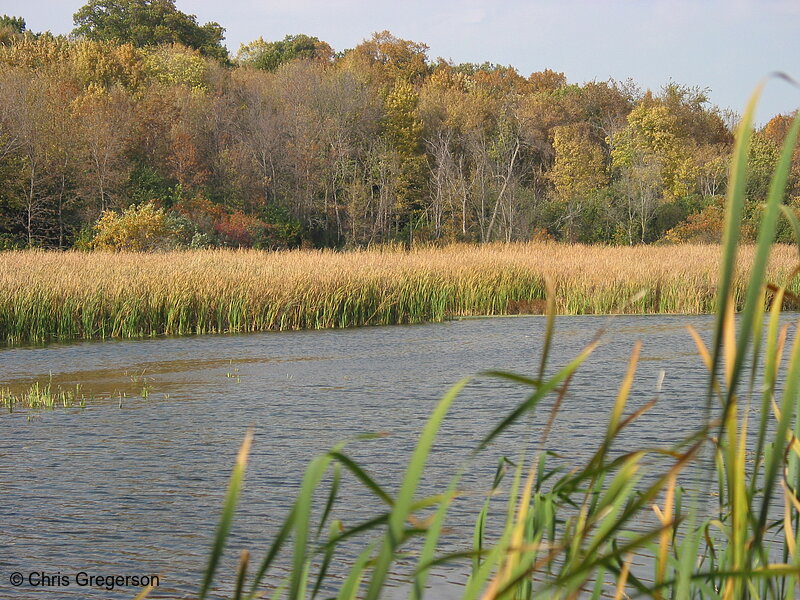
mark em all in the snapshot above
pixel 726 46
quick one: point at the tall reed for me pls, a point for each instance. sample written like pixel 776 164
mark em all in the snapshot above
pixel 49 295
pixel 576 534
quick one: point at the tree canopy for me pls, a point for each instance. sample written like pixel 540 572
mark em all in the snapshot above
pixel 15 24
pixel 268 56
pixel 148 23
pixel 295 144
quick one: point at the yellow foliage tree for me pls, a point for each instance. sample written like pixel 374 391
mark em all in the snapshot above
pixel 138 229
pixel 177 65
pixel 107 64
pixel 578 171
pixel 579 167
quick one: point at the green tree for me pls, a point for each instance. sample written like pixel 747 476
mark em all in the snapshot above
pixel 148 23
pixel 403 131
pixel 15 24
pixel 577 173
pixel 268 56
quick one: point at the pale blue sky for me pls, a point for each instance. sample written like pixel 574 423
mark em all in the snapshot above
pixel 724 45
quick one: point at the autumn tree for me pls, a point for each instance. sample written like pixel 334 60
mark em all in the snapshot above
pixel 253 153
pixel 775 130
pixel 136 229
pixel 176 64
pixel 37 120
pixel 547 81
pixel 403 131
pixel 654 164
pixel 36 53
pixel 578 172
pixel 104 130
pixel 106 64
pixel 441 102
pixel 372 145
pixel 389 59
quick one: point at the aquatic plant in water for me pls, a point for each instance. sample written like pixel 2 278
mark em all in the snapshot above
pixel 42 396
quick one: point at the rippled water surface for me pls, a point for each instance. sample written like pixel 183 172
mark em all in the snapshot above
pixel 132 485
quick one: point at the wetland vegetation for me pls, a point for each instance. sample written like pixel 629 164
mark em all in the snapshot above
pixel 42 396
pixel 57 296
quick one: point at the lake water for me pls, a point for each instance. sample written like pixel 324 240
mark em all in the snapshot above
pixel 132 485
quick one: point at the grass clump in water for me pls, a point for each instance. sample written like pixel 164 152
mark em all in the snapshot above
pixel 40 396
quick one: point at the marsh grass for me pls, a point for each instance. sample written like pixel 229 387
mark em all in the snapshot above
pixel 42 396
pixel 49 395
pixel 73 295
pixel 577 533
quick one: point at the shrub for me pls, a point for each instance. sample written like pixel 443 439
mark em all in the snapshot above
pixel 140 228
pixel 704 227
pixel 237 229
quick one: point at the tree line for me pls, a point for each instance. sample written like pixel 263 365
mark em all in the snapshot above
pixel 141 121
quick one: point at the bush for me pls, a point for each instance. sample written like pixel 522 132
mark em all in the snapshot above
pixel 140 228
pixel 243 230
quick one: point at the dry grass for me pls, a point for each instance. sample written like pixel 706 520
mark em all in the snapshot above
pixel 48 295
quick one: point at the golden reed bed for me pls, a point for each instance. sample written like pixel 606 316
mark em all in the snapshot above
pixel 57 295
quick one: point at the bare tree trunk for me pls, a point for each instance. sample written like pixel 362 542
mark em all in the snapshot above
pixel 29 208
pixel 61 205
pixel 506 179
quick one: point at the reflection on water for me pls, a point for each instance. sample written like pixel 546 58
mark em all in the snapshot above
pixel 136 489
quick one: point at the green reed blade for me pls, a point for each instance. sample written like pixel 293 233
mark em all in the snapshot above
pixel 350 587
pixel 362 476
pixel 477 538
pixel 432 539
pixel 733 218
pixel 327 558
pixel 302 524
pixel 766 236
pixel 229 506
pixel 776 194
pixel 531 403
pixel 272 554
pixel 402 507
pixel 337 473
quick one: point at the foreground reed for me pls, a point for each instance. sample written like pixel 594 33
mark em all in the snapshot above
pixel 576 534
pixel 48 295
